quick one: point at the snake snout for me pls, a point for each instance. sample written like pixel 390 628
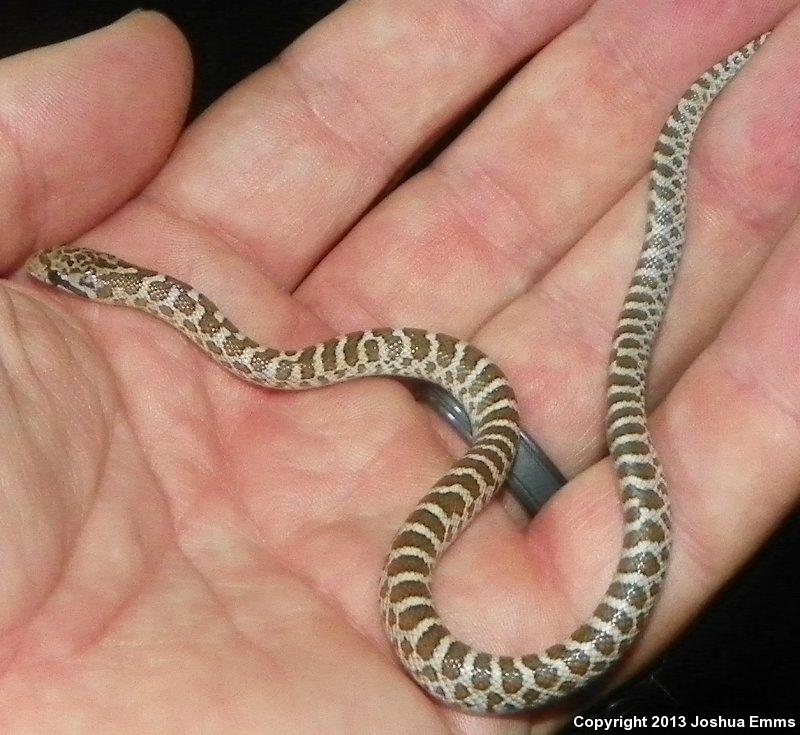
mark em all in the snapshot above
pixel 37 267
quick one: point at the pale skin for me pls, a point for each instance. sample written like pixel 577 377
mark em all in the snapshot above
pixel 181 552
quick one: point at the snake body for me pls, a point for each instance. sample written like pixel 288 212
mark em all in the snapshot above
pixel 447 668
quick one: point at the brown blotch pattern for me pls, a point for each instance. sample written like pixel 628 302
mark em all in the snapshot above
pixel 184 303
pixel 446 350
pixel 451 503
pixel 630 329
pixel 604 644
pixel 647 498
pixel 429 640
pixel 616 394
pixel 350 348
pixel 236 346
pixel 633 427
pixel 627 412
pixel 429 520
pixel 604 612
pixel 585 634
pixel 306 362
pixel 530 697
pixel 493 700
pixel 413 616
pixel 545 677
pixel 495 455
pixel 262 359
pixel 512 677
pixel 420 344
pixel 478 466
pixel 408 588
pixel 629 381
pixel 503 413
pixel 500 393
pixel 415 539
pixel 284 370
pixel 209 324
pixel 429 673
pixel 468 482
pixel 482 672
pixel 626 362
pixel 328 356
pixel 371 350
pixel 578 663
pixel 407 563
pixel 454 659
pixel 642 470
pixel 631 447
pixel 508 433
pixel 158 290
pixel 392 342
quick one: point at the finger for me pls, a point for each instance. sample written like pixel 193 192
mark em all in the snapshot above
pixel 553 341
pixel 562 142
pixel 284 164
pixel 744 191
pixel 728 435
pixel 85 124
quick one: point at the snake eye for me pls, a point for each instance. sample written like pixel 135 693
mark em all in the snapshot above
pixel 54 278
pixel 88 280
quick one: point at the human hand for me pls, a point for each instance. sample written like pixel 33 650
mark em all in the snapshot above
pixel 188 553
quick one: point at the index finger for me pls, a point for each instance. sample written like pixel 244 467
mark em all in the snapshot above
pixel 282 166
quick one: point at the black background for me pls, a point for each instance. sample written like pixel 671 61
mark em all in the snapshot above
pixel 742 655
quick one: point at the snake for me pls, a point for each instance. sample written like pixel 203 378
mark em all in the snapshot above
pixel 449 669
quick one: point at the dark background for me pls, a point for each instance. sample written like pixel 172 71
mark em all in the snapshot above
pixel 741 658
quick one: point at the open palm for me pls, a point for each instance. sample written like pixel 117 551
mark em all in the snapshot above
pixel 182 552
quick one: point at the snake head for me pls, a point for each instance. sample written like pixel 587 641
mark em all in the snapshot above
pixel 83 272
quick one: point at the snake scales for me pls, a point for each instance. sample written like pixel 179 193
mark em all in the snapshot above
pixel 447 668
